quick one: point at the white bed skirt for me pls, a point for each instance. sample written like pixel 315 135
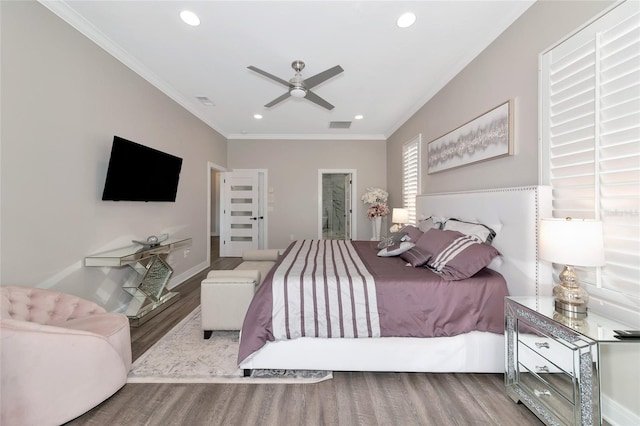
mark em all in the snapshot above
pixel 474 352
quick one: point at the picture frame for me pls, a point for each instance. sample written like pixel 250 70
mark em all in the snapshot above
pixel 486 137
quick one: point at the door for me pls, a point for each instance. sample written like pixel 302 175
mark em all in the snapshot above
pixel 242 216
pixel 335 205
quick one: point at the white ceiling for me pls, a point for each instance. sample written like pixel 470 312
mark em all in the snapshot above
pixel 389 72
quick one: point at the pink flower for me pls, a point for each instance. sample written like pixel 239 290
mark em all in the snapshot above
pixel 377 210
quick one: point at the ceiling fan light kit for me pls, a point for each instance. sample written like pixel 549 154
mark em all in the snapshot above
pixel 298 92
pixel 299 87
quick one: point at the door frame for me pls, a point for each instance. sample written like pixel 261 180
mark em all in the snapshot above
pixel 211 169
pixel 354 208
pixel 263 234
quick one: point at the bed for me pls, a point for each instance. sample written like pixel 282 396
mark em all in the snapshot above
pixel 374 341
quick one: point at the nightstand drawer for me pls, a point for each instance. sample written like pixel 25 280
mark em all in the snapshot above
pixel 532 363
pixel 550 349
pixel 544 358
pixel 546 396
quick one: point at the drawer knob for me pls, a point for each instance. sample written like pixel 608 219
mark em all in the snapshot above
pixel 542 369
pixel 542 392
pixel 542 345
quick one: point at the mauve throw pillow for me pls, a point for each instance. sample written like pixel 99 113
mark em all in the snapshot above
pixel 412 232
pixel 415 257
pixel 456 256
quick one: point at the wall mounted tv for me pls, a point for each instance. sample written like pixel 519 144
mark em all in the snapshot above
pixel 139 173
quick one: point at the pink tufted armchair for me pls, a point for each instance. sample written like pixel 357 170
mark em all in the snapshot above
pixel 60 356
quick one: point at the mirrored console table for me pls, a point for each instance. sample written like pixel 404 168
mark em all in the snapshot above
pixel 151 273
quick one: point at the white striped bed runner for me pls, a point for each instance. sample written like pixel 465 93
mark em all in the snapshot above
pixel 323 289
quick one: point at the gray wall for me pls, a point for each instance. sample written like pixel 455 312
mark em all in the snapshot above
pixel 293 166
pixel 507 69
pixel 63 99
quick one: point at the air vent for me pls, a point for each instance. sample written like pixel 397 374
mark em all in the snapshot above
pixel 205 101
pixel 339 124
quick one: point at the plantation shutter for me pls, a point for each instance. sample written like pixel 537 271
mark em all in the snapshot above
pixel 411 176
pixel 591 128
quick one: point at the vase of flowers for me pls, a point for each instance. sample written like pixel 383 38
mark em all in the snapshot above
pixel 378 208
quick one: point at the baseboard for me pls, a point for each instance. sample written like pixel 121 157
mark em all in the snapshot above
pixel 616 414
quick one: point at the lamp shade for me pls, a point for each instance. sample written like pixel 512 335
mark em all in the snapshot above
pixel 400 216
pixel 576 242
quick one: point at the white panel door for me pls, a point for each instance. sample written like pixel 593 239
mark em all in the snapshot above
pixel 241 215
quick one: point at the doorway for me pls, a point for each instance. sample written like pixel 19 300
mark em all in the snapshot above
pixel 335 204
pixel 214 172
pixel 243 216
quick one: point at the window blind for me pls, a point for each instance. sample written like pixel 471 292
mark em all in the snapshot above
pixel 590 112
pixel 411 176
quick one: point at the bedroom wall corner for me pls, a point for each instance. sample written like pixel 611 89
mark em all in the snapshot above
pixel 63 100
pixel 506 69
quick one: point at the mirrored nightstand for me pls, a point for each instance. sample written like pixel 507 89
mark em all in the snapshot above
pixel 552 361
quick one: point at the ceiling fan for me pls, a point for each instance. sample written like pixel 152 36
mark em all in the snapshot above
pixel 299 87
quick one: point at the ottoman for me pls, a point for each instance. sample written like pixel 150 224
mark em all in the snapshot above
pixel 225 297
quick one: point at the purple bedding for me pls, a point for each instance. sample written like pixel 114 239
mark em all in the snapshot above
pixel 401 301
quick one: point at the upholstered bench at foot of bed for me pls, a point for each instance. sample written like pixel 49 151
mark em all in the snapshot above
pixel 224 299
pixel 225 295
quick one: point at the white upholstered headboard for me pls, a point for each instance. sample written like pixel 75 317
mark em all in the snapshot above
pixel 514 213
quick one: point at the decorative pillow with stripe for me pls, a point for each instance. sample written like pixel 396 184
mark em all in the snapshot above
pixel 456 256
pixel 420 254
pixel 415 257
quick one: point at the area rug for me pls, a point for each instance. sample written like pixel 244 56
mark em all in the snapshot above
pixel 184 356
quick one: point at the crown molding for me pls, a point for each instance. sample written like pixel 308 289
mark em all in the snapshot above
pixel 65 12
pixel 317 136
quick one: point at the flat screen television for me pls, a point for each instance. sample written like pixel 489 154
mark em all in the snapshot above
pixel 139 173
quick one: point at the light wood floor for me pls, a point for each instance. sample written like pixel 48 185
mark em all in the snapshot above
pixel 351 398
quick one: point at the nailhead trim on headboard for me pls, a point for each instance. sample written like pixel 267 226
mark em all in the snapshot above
pixel 542 204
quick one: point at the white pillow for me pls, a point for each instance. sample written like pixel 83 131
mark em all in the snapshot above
pixel 396 249
pixel 478 230
pixel 426 224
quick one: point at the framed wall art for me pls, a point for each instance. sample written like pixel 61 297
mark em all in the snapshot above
pixel 486 137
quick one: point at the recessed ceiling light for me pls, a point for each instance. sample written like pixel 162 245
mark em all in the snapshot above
pixel 190 18
pixel 359 117
pixel 257 116
pixel 406 20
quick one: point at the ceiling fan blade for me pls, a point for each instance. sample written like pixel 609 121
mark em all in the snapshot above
pixel 318 100
pixel 271 76
pixel 311 82
pixel 277 100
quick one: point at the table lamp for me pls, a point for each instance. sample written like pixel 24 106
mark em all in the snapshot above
pixel 571 242
pixel 399 217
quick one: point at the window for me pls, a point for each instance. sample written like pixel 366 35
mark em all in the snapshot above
pixel 411 176
pixel 590 122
